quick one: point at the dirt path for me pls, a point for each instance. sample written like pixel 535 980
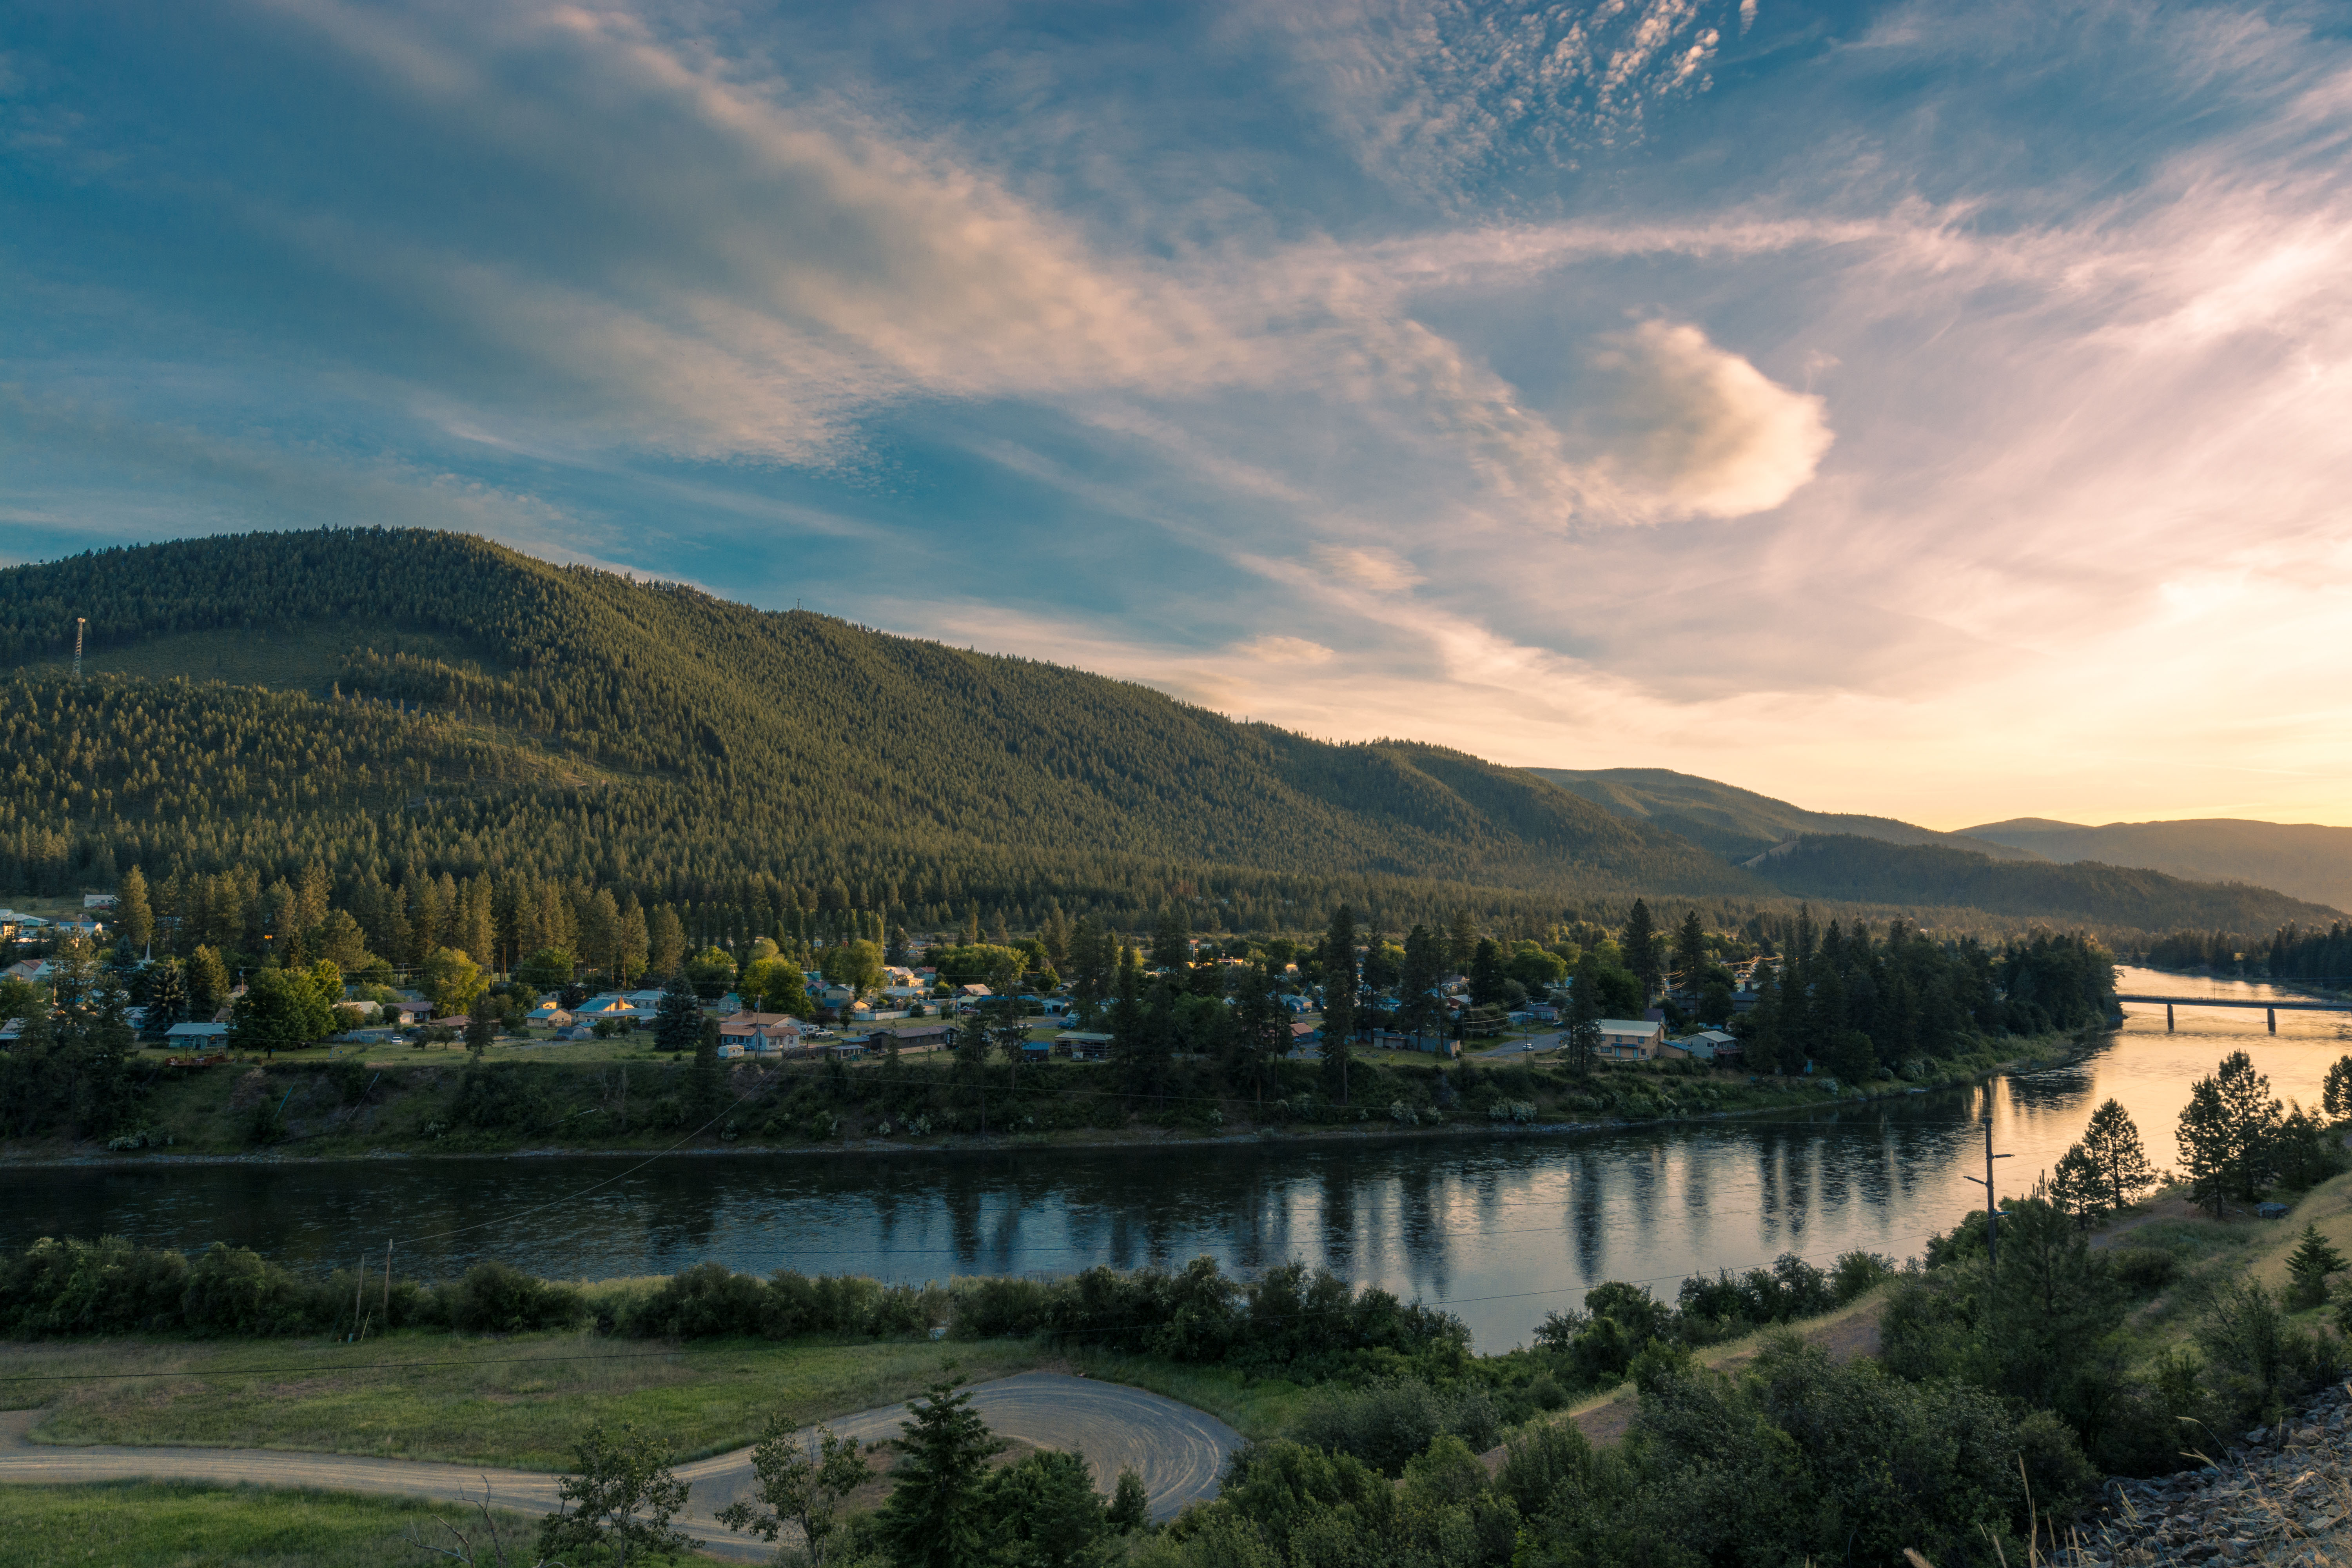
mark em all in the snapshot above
pixel 1177 1449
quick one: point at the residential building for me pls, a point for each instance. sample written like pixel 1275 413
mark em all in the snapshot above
pixel 1630 1039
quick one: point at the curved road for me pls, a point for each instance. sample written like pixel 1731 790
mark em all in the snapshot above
pixel 1178 1450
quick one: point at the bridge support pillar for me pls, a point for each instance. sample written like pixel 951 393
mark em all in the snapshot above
pixel 2168 1017
pixel 2272 1012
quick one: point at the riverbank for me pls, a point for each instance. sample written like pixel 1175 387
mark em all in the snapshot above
pixel 250 1112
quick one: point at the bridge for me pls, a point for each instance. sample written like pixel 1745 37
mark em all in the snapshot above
pixel 2272 1009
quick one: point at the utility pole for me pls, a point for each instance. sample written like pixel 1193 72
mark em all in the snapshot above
pixel 79 622
pixel 1992 1209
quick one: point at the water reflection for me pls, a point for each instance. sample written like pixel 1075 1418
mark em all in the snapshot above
pixel 1502 1231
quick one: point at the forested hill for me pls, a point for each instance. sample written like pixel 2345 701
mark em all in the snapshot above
pixel 1928 876
pixel 254 699
pixel 1740 823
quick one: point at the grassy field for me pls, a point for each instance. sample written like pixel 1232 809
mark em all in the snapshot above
pixel 516 1402
pixel 161 1524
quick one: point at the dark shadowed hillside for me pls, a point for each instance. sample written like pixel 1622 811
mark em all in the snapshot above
pixel 2303 858
pixel 1871 871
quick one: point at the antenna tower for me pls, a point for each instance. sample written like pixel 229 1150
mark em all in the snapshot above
pixel 79 622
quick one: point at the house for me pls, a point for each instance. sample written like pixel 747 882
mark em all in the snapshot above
pixel 1432 1045
pixel 32 970
pixel 547 1016
pixel 1721 1044
pixel 577 1032
pixel 761 1033
pixel 99 901
pixel 1083 1045
pixel 1542 1013
pixel 197 1036
pixel 1037 1050
pixel 1055 1007
pixel 13 1029
pixel 727 1007
pixel 929 1038
pixel 82 927
pixel 975 993
pixel 1630 1039
pixel 1305 1037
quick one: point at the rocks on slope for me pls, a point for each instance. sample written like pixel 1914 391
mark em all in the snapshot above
pixel 2282 1496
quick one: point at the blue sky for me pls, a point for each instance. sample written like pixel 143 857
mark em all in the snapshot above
pixel 1942 411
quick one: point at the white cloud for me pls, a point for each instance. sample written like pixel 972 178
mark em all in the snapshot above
pixel 1381 570
pixel 1687 428
pixel 1276 649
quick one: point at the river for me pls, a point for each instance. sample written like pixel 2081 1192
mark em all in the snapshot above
pixel 1500 1231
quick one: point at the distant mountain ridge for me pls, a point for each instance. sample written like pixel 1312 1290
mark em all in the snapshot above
pixel 2305 859
pixel 1740 823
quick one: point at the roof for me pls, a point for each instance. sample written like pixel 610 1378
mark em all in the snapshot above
pixel 1631 1026
pixel 195 1031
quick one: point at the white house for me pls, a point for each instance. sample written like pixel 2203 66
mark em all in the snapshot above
pixel 99 901
pixel 196 1035
pixel 32 970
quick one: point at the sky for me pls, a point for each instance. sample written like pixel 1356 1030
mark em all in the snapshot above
pixel 1936 410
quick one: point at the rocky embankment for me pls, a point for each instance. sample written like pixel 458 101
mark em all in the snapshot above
pixel 2280 1495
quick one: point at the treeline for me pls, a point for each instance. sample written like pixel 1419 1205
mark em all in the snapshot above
pixel 2312 955
pixel 1859 1005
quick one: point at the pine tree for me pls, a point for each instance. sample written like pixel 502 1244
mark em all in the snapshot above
pixel 2309 1264
pixel 1583 1032
pixel 1338 1004
pixel 1461 943
pixel 134 915
pixel 1639 943
pixel 2229 1134
pixel 2335 1092
pixel 1486 973
pixel 1690 952
pixel 1424 964
pixel 2111 1143
pixel 932 1518
pixel 708 1082
pixel 167 998
pixel 678 1020
pixel 1171 945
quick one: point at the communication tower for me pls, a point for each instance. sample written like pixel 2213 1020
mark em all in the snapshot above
pixel 79 622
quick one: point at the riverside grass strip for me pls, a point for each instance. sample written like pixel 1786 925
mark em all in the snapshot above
pixel 172 1524
pixel 711 1396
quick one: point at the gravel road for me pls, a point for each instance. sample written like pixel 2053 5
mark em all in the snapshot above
pixel 1178 1450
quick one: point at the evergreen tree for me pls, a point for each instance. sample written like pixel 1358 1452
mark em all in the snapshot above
pixel 208 984
pixel 933 1518
pixel 708 1082
pixel 1127 1013
pixel 1461 943
pixel 1418 1008
pixel 2112 1146
pixel 1486 973
pixel 667 942
pixel 1171 945
pixel 1640 949
pixel 134 914
pixel 2229 1134
pixel 167 998
pixel 1583 1031
pixel 1261 1029
pixel 678 1020
pixel 2335 1092
pixel 1338 1004
pixel 2309 1264
pixel 1690 952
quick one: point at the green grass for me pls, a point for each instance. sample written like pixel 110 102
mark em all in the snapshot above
pixel 518 1402
pixel 164 1524
pixel 1254 1407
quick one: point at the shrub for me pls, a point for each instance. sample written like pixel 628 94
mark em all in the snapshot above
pixel 2143 1271
pixel 706 1301
pixel 232 1291
pixel 498 1299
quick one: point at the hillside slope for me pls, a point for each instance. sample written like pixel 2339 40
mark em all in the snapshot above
pixel 2303 858
pixel 576 722
pixel 1740 823
pixel 1870 871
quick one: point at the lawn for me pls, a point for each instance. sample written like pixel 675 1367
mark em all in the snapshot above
pixel 516 1402
pixel 164 1524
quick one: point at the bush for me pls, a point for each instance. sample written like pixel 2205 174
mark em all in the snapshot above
pixel 107 1286
pixel 498 1299
pixel 231 1290
pixel 2143 1271
pixel 708 1301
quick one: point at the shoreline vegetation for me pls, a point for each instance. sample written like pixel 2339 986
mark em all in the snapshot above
pixel 1654 1093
